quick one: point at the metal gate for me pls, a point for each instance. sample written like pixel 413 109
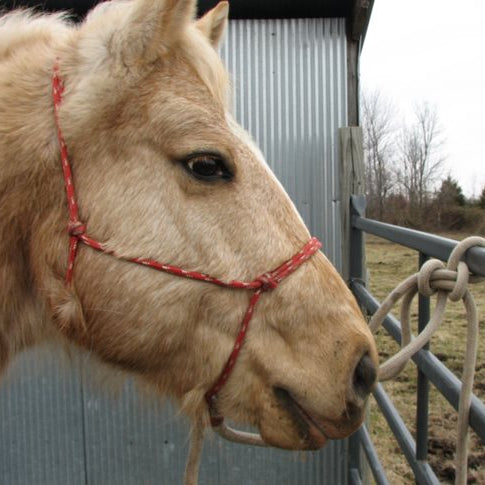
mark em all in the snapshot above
pixel 430 370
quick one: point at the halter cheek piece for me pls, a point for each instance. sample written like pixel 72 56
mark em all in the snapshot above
pixel 264 283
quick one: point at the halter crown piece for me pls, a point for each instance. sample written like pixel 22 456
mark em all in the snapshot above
pixel 264 283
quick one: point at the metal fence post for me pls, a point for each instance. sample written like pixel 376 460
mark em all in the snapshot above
pixel 357 272
pixel 357 268
pixel 422 401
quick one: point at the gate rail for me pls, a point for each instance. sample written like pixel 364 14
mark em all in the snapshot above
pixel 430 368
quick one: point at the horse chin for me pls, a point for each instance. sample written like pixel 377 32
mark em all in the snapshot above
pixel 287 426
pixel 301 429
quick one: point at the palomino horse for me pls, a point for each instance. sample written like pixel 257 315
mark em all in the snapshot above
pixel 162 171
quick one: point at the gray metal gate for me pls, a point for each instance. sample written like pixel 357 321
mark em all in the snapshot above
pixel 429 368
pixel 290 92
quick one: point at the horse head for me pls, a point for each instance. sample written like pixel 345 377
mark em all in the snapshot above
pixel 162 170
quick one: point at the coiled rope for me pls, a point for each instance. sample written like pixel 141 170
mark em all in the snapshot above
pixel 448 281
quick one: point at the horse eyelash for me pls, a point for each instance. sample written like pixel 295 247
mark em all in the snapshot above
pixel 228 171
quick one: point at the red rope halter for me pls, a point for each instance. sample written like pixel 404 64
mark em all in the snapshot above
pixel 265 282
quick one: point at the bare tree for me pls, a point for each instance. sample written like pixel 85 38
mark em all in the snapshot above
pixel 378 116
pixel 421 159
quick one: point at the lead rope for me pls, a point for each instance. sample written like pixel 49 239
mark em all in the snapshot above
pixel 197 441
pixel 448 282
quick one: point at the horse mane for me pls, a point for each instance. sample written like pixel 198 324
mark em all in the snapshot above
pixel 25 28
pixel 27 39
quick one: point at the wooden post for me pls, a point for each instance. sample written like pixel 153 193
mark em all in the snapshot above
pixel 353 55
pixel 351 183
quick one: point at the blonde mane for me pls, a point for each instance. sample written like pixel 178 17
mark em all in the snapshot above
pixel 24 29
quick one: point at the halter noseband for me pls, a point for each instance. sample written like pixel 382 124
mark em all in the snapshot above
pixel 263 283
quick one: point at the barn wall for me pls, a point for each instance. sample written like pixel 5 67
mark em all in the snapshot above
pixel 289 89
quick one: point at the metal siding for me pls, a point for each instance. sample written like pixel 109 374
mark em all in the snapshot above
pixel 289 82
pixel 41 416
pixel 132 438
pixel 289 92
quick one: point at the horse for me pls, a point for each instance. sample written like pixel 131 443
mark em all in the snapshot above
pixel 162 172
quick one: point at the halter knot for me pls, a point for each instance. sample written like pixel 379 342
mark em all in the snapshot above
pixel 76 228
pixel 269 281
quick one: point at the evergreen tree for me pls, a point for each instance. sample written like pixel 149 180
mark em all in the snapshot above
pixel 450 193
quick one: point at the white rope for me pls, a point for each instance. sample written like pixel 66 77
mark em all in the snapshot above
pixel 196 443
pixel 242 437
pixel 197 440
pixel 195 453
pixel 449 282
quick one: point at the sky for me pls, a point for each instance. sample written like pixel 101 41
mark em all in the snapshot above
pixel 434 51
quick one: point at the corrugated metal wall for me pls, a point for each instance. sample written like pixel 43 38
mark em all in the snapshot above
pixel 290 93
pixel 290 85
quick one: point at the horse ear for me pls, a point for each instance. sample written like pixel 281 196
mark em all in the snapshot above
pixel 153 26
pixel 213 23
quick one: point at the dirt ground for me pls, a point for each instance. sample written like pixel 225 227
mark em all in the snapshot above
pixel 388 264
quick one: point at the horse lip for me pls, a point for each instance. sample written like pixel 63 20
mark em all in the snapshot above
pixel 312 431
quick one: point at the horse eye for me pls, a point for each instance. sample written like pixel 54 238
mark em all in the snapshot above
pixel 207 167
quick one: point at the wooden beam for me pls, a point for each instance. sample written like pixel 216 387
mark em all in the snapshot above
pixel 353 56
pixel 359 19
pixel 351 183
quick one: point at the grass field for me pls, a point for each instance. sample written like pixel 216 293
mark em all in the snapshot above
pixel 389 264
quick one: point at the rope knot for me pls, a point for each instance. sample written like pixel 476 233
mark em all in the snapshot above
pixel 427 277
pixel 76 228
pixel 434 277
pixel 269 281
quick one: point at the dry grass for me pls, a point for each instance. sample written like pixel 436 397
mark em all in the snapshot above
pixel 389 264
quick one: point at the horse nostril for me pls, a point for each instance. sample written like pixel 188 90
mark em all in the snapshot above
pixel 364 376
